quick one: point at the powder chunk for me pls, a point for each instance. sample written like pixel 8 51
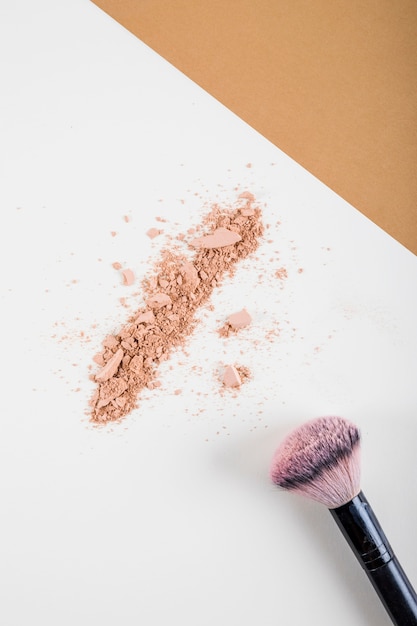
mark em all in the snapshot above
pixel 110 342
pixel 247 195
pixel 158 300
pixel 129 343
pixel 128 277
pixel 145 318
pixel 247 211
pixel 136 364
pixel 239 320
pixel 189 275
pixel 234 323
pixel 231 377
pixel 220 238
pixel 111 367
pixel 98 358
pixel 154 232
pixel 117 265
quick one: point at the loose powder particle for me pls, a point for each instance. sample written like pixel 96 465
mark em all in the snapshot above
pixel 173 295
pixel 117 265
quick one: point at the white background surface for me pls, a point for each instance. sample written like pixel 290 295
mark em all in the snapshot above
pixel 170 517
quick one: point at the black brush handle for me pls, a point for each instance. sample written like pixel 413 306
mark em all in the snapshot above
pixel 365 536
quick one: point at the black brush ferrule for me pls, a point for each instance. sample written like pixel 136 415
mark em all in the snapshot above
pixel 365 536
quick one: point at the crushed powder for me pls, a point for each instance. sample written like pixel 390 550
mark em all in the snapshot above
pixel 178 288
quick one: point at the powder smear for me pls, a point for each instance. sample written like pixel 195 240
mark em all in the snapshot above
pixel 178 288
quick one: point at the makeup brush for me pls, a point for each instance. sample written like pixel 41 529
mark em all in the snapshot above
pixel 321 460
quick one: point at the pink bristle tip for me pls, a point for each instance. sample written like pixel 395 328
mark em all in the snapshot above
pixel 320 460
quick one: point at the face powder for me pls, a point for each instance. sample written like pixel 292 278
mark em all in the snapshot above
pixel 175 291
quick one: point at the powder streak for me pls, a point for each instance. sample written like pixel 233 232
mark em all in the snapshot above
pixel 174 294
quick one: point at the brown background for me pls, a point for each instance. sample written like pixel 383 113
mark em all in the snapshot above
pixel 333 83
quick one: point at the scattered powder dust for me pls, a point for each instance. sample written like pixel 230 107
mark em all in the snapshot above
pixel 235 322
pixel 173 294
pixel 244 373
pixel 281 273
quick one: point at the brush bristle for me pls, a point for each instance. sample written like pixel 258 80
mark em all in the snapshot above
pixel 320 460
